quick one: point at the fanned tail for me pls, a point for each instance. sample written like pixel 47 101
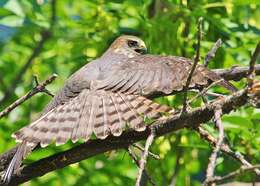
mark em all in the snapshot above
pixel 99 112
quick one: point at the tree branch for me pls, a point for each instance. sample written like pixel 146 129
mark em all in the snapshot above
pixel 143 161
pixel 225 148
pixel 45 35
pixel 224 179
pixel 204 91
pixel 38 88
pixel 212 52
pixel 251 71
pixel 196 61
pixel 213 157
pixel 154 156
pixel 93 147
pixel 235 73
pixel 133 156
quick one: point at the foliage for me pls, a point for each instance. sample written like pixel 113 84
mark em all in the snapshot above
pixel 83 30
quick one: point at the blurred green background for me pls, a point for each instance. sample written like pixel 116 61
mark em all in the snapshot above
pixel 72 33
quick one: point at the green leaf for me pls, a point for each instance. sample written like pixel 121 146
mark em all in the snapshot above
pixel 5 12
pixel 12 21
pixel 237 120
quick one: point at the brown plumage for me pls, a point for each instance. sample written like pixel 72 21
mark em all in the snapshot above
pixel 108 95
pixel 147 74
pixel 99 112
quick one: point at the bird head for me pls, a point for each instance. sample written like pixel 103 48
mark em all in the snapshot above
pixel 128 45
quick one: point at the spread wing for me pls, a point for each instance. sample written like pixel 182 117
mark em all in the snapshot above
pixel 99 112
pixel 146 74
pixel 114 102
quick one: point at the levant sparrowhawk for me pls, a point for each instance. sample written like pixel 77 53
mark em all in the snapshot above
pixel 108 94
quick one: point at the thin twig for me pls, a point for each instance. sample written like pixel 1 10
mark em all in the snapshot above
pixel 242 169
pixel 204 91
pixel 212 52
pixel 213 157
pixel 251 71
pixel 133 156
pixel 213 94
pixel 38 88
pixel 196 60
pixel 225 148
pixel 155 156
pixel 45 35
pixel 143 160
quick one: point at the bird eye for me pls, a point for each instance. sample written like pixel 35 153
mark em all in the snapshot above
pixel 132 43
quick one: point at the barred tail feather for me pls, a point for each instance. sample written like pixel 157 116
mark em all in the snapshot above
pixel 98 111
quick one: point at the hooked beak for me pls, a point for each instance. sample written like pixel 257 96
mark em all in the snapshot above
pixel 142 48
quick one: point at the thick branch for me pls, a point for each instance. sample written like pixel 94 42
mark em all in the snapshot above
pixel 93 147
pixel 236 73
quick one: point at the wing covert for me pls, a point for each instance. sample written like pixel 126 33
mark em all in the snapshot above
pixel 146 74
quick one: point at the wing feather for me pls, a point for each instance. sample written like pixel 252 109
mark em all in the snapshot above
pixel 126 78
pixel 148 79
pixel 169 73
pixel 132 82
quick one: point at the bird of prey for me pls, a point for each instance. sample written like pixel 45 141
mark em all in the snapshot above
pixel 107 95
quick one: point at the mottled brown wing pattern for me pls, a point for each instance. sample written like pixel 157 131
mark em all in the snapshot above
pixel 137 77
pixel 151 73
pixel 99 112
